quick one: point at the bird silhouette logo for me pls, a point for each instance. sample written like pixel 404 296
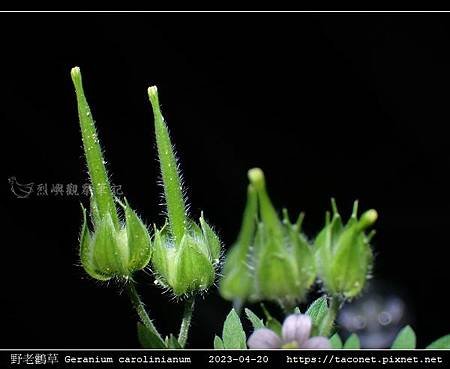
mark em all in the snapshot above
pixel 22 191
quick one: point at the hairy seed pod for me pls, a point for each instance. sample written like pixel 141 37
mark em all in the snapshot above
pixel 343 253
pixel 186 255
pixel 114 249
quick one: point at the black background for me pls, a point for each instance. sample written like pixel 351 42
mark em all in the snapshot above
pixel 347 105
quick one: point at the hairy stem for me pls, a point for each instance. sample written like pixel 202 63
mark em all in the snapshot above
pixel 140 309
pixel 173 192
pixel 186 322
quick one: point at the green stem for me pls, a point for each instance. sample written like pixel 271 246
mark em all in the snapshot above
pixel 238 304
pixel 140 309
pixel 173 192
pixel 101 188
pixel 186 322
pixel 328 322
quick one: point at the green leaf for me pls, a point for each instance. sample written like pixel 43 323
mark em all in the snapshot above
pixel 256 322
pixel 148 339
pixel 218 343
pixel 173 343
pixel 336 341
pixel 406 339
pixel 233 334
pixel 352 342
pixel 318 310
pixel 440 343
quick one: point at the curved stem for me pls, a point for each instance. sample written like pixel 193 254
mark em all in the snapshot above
pixel 328 322
pixel 186 322
pixel 140 309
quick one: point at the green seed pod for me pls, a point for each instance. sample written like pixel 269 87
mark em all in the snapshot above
pixel 186 255
pixel 271 259
pixel 343 253
pixel 190 265
pixel 113 249
pixel 283 260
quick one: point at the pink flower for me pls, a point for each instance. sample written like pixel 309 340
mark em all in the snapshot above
pixel 295 335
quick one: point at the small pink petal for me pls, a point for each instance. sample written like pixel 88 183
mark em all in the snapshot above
pixel 296 327
pixel 317 343
pixel 264 338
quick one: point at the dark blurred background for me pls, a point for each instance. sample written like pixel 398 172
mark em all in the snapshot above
pixel 354 106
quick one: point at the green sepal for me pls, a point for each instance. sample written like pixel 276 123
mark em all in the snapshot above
pixel 86 251
pixel 194 269
pixel 109 248
pixel 350 265
pixel 237 278
pixel 304 266
pixel 139 243
pixel 163 257
pixel 275 272
pixel 211 239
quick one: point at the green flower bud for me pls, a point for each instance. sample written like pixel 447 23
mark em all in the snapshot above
pixel 271 260
pixel 185 255
pixel 113 249
pixel 343 252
